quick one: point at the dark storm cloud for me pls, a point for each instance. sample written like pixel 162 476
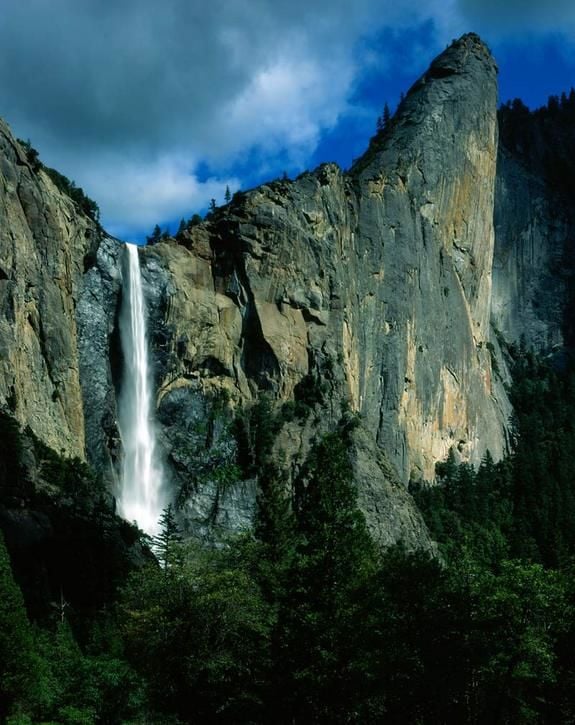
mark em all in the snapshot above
pixel 128 96
pixel 128 73
pixel 510 17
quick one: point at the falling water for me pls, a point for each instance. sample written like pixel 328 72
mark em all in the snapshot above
pixel 141 497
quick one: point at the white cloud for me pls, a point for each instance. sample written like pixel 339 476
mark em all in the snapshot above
pixel 286 105
pixel 134 196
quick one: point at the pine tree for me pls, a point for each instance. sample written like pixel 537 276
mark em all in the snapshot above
pixel 194 220
pixel 273 529
pixel 155 236
pixel 18 662
pixel 386 116
pixel 228 195
pixel 384 120
pixel 167 544
pixel 321 611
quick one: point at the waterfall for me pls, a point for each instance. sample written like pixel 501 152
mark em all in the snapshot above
pixel 141 497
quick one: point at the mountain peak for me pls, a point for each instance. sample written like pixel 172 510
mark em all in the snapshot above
pixel 464 53
pixel 458 92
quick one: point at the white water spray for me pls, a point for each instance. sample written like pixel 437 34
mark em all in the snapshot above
pixel 141 497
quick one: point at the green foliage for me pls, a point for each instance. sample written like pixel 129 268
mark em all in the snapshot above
pixel 518 613
pixel 12 478
pixel 465 644
pixel 167 544
pixel 45 675
pixel 494 362
pixel 303 619
pixel 545 137
pixel 210 450
pixel 19 663
pixel 211 210
pixel 199 634
pixel 255 430
pixel 416 655
pixel 525 608
pixel 86 688
pixel 155 236
pixel 523 506
pixel 322 605
pixel 383 121
pixel 71 476
pixel 194 220
pixel 32 155
pixel 468 509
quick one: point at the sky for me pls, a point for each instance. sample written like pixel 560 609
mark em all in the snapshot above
pixel 154 108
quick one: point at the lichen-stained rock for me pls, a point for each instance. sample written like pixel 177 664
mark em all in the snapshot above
pixel 44 240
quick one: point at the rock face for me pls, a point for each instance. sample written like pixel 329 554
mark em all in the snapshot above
pixel 363 294
pixel 368 291
pixel 43 243
pixel 99 355
pixel 377 282
pixel 426 196
pixel 534 264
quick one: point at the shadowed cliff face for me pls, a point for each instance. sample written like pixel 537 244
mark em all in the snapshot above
pixel 534 263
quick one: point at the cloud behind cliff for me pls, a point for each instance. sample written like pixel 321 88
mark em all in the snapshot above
pixel 154 107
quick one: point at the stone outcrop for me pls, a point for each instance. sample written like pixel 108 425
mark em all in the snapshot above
pixel 426 195
pixel 368 292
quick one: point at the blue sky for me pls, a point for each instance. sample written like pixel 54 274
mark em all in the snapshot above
pixel 155 108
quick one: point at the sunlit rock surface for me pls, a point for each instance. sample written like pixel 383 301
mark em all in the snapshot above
pixel 44 241
pixel 378 281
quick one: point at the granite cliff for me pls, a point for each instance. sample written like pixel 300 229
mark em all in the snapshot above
pixel 373 286
pixel 366 293
pixel 534 260
pixel 44 242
